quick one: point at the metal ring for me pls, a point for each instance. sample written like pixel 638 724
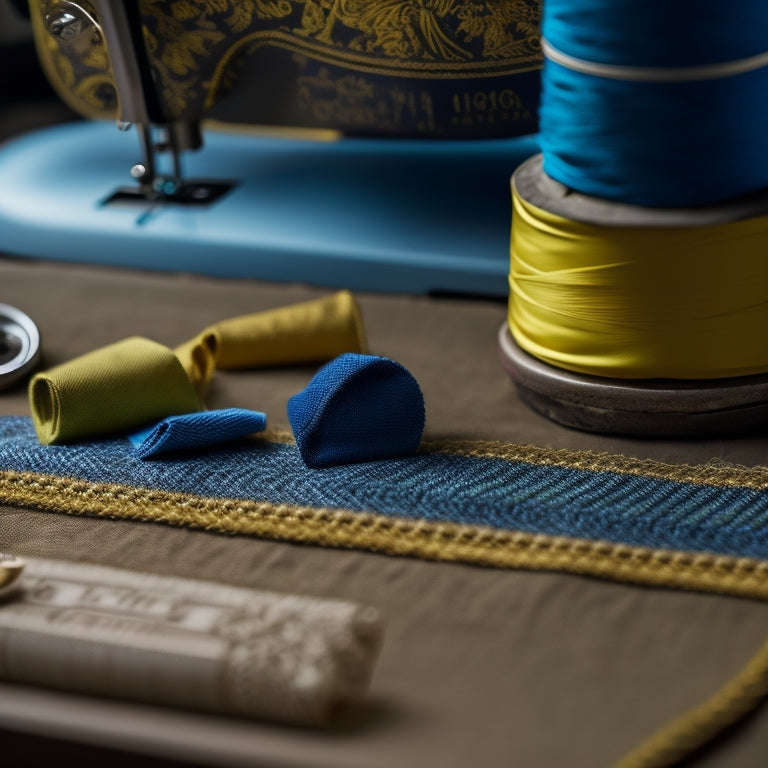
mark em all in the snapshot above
pixel 19 345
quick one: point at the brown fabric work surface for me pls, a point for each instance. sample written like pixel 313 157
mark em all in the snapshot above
pixel 480 666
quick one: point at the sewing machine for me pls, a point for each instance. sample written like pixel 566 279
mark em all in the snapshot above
pixel 368 144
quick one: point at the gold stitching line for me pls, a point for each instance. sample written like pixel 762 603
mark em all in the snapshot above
pixel 746 577
pixel 751 478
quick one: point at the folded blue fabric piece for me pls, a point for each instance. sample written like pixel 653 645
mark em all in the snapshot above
pixel 357 408
pixel 197 430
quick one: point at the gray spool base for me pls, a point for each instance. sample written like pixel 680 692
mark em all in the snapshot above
pixel 640 408
pixel 535 187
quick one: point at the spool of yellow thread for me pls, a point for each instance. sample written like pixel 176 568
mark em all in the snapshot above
pixel 634 320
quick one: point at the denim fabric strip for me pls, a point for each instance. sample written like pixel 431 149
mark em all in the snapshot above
pixel 501 493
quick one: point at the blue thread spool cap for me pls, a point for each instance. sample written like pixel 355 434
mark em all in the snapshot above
pixel 357 408
pixel 19 345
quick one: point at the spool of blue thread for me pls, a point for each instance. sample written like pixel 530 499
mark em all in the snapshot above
pixel 656 105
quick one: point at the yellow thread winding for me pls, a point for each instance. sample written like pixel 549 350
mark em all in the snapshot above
pixel 640 302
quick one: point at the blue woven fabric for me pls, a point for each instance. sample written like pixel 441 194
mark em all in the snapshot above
pixel 357 408
pixel 196 430
pixel 513 495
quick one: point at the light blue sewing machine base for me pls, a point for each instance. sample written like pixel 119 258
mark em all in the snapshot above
pixel 367 214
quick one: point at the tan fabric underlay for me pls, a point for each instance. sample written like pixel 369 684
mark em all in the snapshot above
pixel 480 666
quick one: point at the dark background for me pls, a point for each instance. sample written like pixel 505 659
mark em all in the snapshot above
pixel 27 101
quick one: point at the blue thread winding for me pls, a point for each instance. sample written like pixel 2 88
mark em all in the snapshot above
pixel 654 143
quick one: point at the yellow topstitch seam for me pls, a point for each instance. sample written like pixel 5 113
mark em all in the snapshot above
pixel 718 475
pixel 713 474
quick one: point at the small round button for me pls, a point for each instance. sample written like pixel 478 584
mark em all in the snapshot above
pixel 10 569
pixel 19 345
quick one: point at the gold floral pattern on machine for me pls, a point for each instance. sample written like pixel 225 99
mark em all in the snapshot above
pixel 436 30
pixel 195 46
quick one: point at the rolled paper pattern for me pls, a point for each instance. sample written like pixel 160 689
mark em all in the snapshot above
pixel 197 430
pixel 357 408
pixel 115 388
pixel 308 332
pixel 189 643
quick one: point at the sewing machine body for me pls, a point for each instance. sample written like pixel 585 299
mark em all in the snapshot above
pixel 400 183
pixel 364 213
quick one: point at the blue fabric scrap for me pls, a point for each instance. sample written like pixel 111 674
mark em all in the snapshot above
pixel 196 430
pixel 357 408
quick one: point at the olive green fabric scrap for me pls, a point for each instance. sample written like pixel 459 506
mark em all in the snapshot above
pixel 136 381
